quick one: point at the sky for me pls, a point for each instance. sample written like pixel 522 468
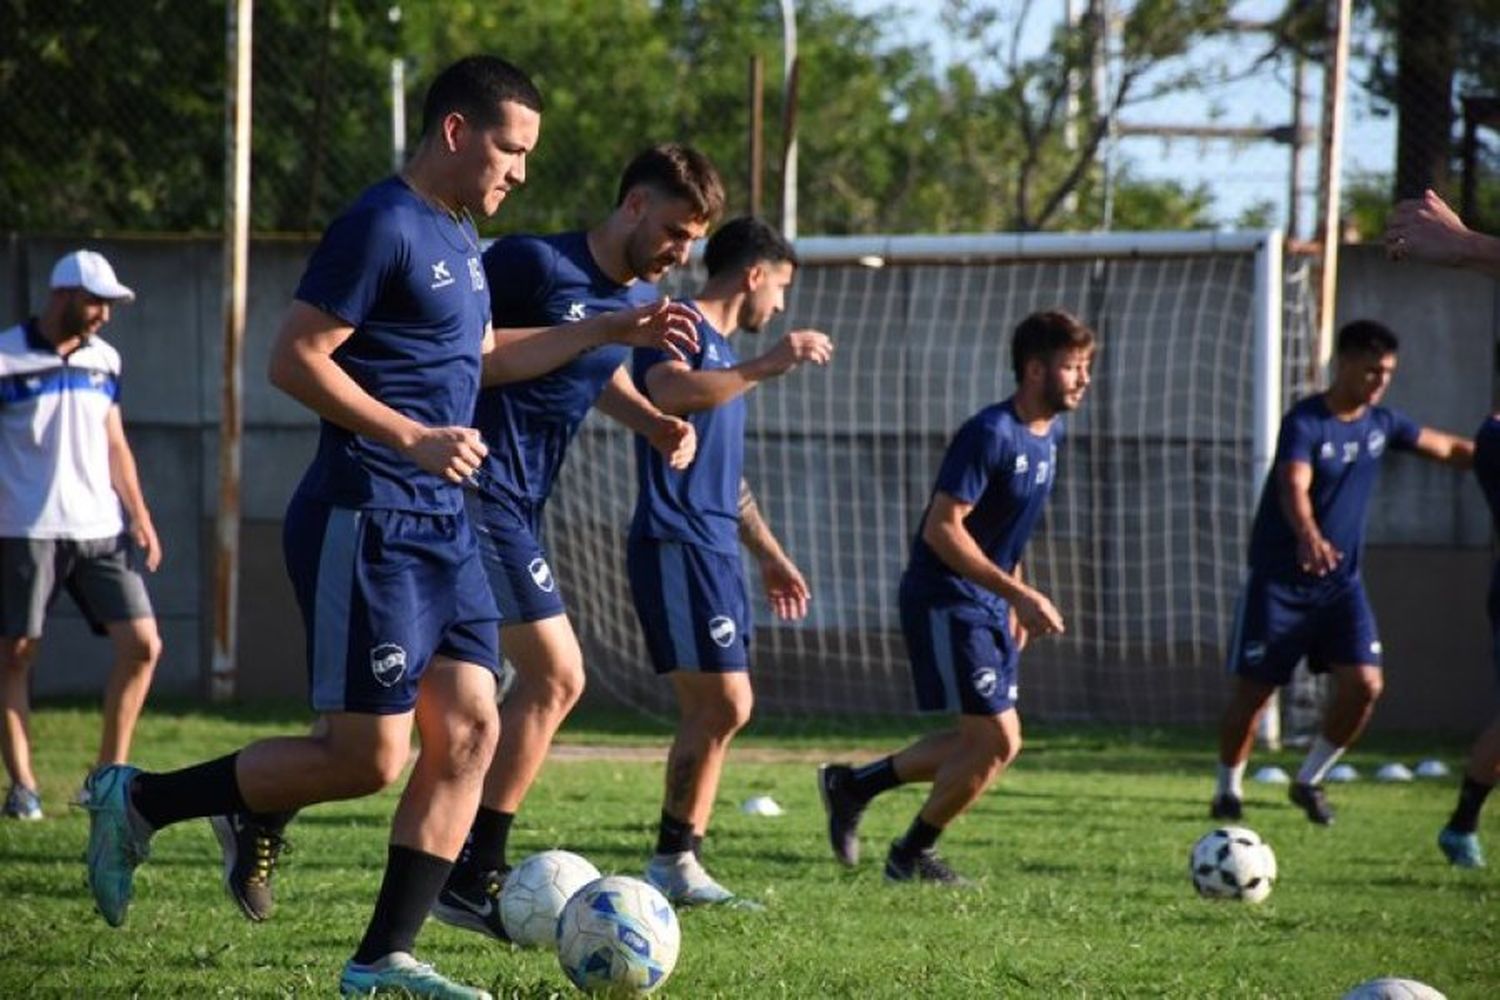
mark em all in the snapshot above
pixel 1237 175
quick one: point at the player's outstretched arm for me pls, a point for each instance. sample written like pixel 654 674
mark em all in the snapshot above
pixel 1426 229
pixel 785 587
pixel 944 532
pixel 674 437
pixel 677 388
pixel 1450 449
pixel 302 366
pixel 1315 554
pixel 520 354
pixel 127 485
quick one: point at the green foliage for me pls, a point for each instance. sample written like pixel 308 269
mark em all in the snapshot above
pixel 116 121
pixel 1080 851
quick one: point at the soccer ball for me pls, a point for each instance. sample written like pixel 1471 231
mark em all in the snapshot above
pixel 1233 863
pixel 618 936
pixel 1393 989
pixel 535 891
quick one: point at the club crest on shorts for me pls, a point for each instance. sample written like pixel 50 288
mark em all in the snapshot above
pixel 541 575
pixel 388 663
pixel 1254 652
pixel 985 682
pixel 721 630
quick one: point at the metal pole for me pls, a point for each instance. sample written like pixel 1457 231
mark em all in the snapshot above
pixel 789 119
pixel 236 254
pixel 1294 184
pixel 1335 72
pixel 398 97
pixel 1266 410
pixel 756 151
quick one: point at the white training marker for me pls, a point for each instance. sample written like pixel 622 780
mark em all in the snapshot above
pixel 1432 768
pixel 1394 771
pixel 1343 773
pixel 761 805
pixel 1272 775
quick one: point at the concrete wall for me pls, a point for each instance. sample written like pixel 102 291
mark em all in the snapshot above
pixel 1427 564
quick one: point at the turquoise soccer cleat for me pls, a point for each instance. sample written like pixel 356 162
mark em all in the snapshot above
pixel 399 974
pixel 1461 849
pixel 119 840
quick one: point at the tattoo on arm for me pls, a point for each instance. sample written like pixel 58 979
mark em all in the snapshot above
pixel 754 532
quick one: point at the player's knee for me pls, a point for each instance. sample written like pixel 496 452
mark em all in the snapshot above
pixel 470 737
pixel 564 688
pixel 140 648
pixel 16 655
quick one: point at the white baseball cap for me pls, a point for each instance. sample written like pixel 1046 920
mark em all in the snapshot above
pixel 89 270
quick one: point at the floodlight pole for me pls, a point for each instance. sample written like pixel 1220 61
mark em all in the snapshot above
pixel 789 119
pixel 221 680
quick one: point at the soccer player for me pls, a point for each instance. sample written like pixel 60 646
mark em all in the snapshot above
pixel 1426 229
pixel 683 554
pixel 384 342
pixel 966 612
pixel 549 378
pixel 68 491
pixel 1304 595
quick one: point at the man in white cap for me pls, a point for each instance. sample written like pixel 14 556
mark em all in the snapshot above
pixel 71 511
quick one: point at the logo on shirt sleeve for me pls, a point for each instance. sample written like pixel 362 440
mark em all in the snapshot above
pixel 1375 443
pixel 541 575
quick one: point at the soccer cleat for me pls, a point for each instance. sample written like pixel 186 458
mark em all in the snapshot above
pixel 925 866
pixel 1313 802
pixel 398 974
pixel 844 809
pixel 251 850
pixel 1226 806
pixel 119 840
pixel 473 902
pixel 1461 849
pixel 684 881
pixel 22 803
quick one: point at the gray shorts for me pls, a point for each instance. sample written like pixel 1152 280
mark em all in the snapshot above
pixel 100 573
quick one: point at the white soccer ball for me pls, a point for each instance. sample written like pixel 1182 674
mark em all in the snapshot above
pixel 534 893
pixel 1232 862
pixel 618 936
pixel 1393 989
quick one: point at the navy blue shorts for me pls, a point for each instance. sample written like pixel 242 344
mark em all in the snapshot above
pixel 509 535
pixel 382 592
pixel 692 605
pixel 963 657
pixel 1279 622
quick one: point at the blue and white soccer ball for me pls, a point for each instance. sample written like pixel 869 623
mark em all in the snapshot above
pixel 534 893
pixel 618 936
pixel 1232 862
pixel 1392 988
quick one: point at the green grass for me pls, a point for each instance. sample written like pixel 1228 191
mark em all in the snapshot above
pixel 1081 853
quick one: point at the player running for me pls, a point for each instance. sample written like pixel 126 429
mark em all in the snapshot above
pixel 684 548
pixel 966 612
pixel 1305 596
pixel 384 342
pixel 668 197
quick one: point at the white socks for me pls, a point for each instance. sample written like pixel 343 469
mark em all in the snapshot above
pixel 1230 778
pixel 1320 758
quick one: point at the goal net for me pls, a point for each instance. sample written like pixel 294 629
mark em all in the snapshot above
pixel 1202 336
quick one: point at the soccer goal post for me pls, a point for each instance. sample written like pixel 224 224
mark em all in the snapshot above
pixel 1202 336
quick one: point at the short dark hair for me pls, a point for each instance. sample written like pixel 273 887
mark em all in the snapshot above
pixel 1043 334
pixel 1366 336
pixel 475 87
pixel 745 241
pixel 677 171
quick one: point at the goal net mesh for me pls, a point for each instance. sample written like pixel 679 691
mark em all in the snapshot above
pixel 1141 546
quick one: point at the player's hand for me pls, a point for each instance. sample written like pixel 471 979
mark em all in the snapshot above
pixel 676 439
pixel 785 588
pixel 1317 556
pixel 1426 229
pixel 455 453
pixel 1036 614
pixel 1018 631
pixel 143 532
pixel 797 348
pixel 665 325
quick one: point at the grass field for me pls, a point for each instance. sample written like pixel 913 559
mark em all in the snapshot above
pixel 1081 853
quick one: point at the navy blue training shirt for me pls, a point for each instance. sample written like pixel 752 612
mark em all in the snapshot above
pixel 699 505
pixel 1345 459
pixel 1006 472
pixel 407 277
pixel 542 281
